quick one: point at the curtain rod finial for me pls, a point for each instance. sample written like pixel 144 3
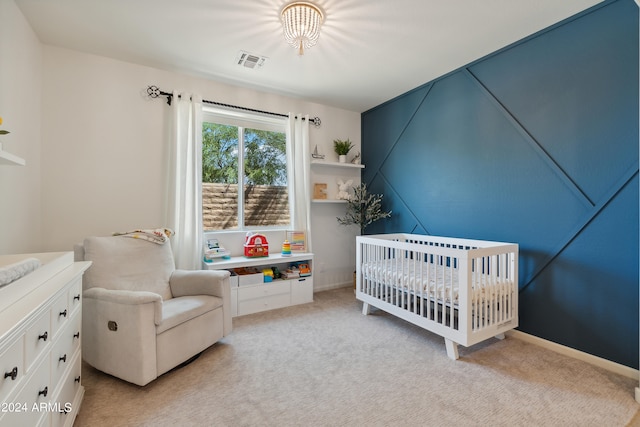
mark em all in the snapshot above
pixel 154 92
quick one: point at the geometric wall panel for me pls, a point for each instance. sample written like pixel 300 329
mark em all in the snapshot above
pixel 469 174
pixel 587 297
pixel 386 124
pixel 536 144
pixel 548 97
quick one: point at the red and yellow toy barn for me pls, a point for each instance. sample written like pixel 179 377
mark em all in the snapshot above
pixel 256 245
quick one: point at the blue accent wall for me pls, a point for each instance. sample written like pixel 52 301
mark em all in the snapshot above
pixel 535 144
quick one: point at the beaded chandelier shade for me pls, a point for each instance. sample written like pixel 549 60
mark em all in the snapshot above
pixel 301 23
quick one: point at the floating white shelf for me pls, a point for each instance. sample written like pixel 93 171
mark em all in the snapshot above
pixel 336 164
pixel 10 159
pixel 328 201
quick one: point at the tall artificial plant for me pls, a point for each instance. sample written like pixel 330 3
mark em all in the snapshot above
pixel 363 208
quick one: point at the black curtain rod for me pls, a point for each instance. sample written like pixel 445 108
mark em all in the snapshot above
pixel 155 92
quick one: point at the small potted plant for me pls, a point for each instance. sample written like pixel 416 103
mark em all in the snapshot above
pixel 342 148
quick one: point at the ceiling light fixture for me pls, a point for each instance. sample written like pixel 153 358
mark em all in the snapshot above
pixel 301 22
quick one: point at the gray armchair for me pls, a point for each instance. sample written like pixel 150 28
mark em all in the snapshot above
pixel 141 317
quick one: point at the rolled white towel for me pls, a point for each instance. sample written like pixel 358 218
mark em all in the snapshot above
pixel 12 272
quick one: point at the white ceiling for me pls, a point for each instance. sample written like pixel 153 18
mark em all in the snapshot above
pixel 369 51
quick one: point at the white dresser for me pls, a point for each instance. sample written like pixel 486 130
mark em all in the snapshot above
pixel 40 351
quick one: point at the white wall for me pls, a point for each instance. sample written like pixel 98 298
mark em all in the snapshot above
pixel 20 108
pixel 103 152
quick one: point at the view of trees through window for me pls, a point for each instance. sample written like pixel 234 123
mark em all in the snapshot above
pixel 255 158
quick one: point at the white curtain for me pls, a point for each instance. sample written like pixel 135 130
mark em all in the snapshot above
pixel 299 179
pixel 184 210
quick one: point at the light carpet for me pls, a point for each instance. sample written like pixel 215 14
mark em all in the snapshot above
pixel 326 364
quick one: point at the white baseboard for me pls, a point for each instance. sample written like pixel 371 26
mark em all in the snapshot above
pixel 330 286
pixel 580 355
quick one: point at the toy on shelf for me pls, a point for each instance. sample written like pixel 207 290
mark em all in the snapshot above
pixel 297 240
pixel 267 274
pixel 343 189
pixel 304 269
pixel 286 248
pixel 356 159
pixel 320 191
pixel 316 155
pixel 297 269
pixel 291 272
pixel 213 250
pixel 255 245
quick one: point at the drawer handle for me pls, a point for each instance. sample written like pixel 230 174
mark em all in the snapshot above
pixel 77 297
pixel 63 313
pixel 63 359
pixel 44 392
pixel 77 379
pixel 44 336
pixel 76 335
pixel 13 374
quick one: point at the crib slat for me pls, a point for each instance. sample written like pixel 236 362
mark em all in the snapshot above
pixel 450 286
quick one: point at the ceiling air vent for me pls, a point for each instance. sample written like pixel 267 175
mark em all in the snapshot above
pixel 249 60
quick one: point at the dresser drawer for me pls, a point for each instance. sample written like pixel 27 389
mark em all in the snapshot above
pixel 37 338
pixel 261 291
pixel 65 347
pixel 59 312
pixel 75 295
pixel 11 368
pixel 32 402
pixel 66 402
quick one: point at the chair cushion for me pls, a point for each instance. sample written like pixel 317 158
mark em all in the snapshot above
pixel 124 263
pixel 182 309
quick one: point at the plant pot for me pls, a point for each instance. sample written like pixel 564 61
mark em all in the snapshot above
pixel 342 158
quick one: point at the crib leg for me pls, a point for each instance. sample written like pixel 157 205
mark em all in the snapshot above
pixel 365 308
pixel 452 349
pixel 500 336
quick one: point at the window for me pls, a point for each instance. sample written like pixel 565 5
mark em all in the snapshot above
pixel 244 171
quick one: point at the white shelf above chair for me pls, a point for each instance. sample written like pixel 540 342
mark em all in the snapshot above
pixel 7 158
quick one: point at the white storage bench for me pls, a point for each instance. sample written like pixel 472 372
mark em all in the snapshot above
pixel 252 296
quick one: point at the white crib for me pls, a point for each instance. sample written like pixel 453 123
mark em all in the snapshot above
pixel 463 290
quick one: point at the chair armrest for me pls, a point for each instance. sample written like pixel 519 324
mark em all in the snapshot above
pixel 119 332
pixel 200 282
pixel 124 297
pixel 205 282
